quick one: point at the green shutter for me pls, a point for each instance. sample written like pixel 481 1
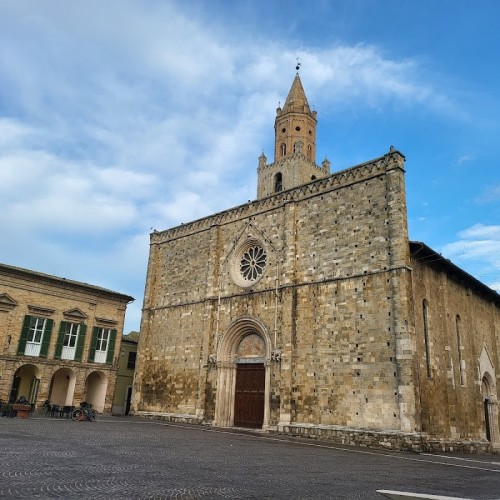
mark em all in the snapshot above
pixel 60 340
pixel 111 348
pixel 24 335
pixel 93 344
pixel 46 338
pixel 80 341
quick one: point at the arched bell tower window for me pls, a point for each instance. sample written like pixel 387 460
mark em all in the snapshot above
pixel 309 152
pixel 278 182
pixel 283 149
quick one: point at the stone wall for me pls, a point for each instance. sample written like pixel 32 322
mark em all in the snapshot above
pixel 333 301
pixel 450 376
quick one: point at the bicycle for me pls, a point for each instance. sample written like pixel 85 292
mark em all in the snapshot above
pixel 84 413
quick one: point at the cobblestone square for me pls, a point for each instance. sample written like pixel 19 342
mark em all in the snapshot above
pixel 134 458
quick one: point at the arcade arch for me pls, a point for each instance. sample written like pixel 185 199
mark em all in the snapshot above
pixel 26 382
pixel 62 387
pixel 96 386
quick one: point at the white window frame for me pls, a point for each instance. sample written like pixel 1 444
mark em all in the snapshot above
pixel 35 336
pixel 102 344
pixel 70 341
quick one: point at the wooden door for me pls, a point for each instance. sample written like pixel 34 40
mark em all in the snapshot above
pixel 249 395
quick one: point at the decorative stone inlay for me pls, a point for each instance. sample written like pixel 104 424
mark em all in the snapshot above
pixel 251 346
pixel 276 355
pixel 41 311
pixel 7 303
pixel 106 321
pixel 75 315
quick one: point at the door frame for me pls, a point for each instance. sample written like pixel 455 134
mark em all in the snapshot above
pixel 227 366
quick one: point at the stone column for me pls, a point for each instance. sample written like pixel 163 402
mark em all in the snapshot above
pixel 224 405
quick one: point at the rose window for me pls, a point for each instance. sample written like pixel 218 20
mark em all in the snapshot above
pixel 253 262
pixel 248 262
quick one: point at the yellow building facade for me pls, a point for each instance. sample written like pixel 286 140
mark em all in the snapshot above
pixel 59 339
pixel 125 374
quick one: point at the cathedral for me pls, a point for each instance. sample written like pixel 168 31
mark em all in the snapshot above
pixel 308 311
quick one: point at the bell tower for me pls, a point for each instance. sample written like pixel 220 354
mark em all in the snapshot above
pixel 294 146
pixel 295 124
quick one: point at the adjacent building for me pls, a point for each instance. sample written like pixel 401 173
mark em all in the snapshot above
pixel 59 339
pixel 309 311
pixel 125 374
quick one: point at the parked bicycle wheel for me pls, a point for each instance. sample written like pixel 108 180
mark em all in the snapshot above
pixel 77 415
pixel 92 414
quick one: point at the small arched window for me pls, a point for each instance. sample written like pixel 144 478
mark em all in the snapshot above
pixel 278 182
pixel 283 149
pixel 309 152
pixel 313 177
pixel 461 366
pixel 425 307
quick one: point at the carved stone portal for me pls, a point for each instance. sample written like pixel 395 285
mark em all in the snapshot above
pixel 246 340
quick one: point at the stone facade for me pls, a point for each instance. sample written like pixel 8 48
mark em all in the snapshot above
pixel 319 269
pixel 458 347
pixel 58 339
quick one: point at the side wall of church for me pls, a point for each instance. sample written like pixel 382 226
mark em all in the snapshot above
pixel 337 252
pixel 450 370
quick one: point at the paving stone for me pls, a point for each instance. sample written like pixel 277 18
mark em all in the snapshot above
pixel 118 457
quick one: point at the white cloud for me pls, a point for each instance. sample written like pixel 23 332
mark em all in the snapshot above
pixel 116 124
pixel 479 247
pixel 490 194
pixel 481 231
pixel 464 159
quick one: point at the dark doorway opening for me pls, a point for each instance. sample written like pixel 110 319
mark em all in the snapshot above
pixel 15 387
pixel 249 395
pixel 487 418
pixel 129 400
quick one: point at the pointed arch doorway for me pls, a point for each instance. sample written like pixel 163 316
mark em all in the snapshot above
pixel 489 399
pixel 489 408
pixel 243 376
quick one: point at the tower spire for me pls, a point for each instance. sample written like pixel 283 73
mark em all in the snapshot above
pixel 295 125
pixel 296 100
pixel 294 146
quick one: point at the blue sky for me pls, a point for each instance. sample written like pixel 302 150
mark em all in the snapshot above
pixel 122 116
